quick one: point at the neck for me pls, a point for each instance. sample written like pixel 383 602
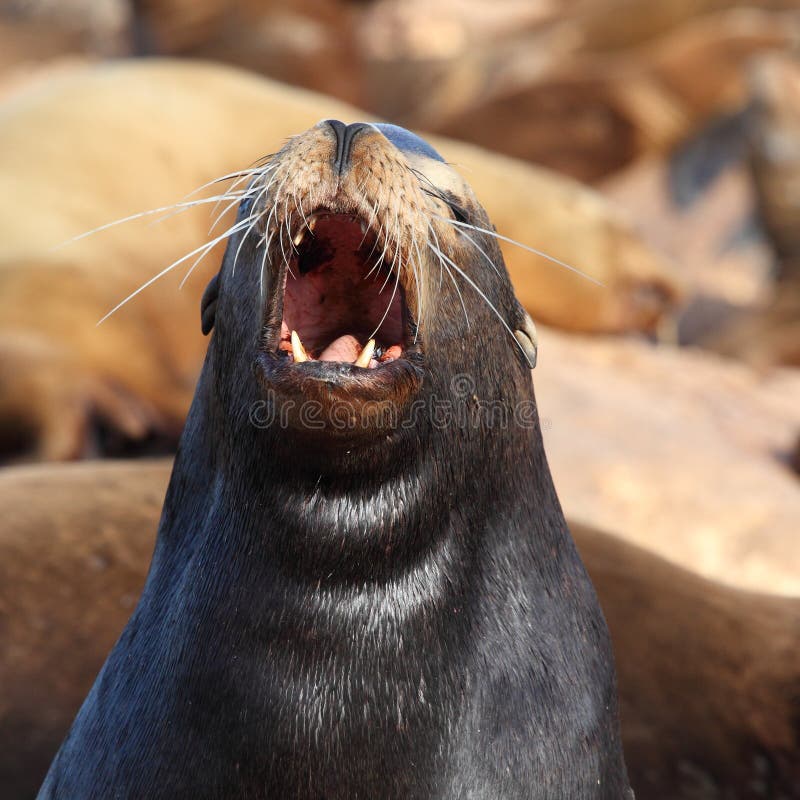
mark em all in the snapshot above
pixel 363 605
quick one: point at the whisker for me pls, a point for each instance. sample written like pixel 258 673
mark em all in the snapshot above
pixel 299 208
pixel 206 250
pixel 132 217
pixel 251 189
pixel 267 242
pixel 240 174
pixel 253 219
pixel 256 215
pixel 236 201
pixel 239 197
pixel 480 250
pixel 483 296
pixel 172 266
pixel 449 273
pixel 520 245
pixel 389 305
pixel 417 269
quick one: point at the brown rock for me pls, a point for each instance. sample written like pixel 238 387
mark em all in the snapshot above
pixel 679 451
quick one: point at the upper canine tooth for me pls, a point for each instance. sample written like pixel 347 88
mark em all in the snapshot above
pixel 363 227
pixel 366 354
pixel 312 223
pixel 299 236
pixel 298 351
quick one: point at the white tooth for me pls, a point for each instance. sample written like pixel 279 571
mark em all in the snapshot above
pixel 366 354
pixel 363 227
pixel 299 236
pixel 298 351
pixel 312 223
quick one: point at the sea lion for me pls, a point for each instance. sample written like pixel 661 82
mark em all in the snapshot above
pixel 82 158
pixel 395 603
pixel 75 541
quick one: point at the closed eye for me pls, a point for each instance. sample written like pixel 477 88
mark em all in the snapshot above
pixel 456 209
pixel 459 212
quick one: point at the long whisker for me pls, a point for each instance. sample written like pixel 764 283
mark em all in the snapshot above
pixel 267 242
pixel 206 250
pixel 446 269
pixel 436 192
pixel 240 174
pixel 257 215
pixel 389 304
pixel 236 201
pixel 253 220
pixel 520 245
pixel 416 266
pixel 483 296
pixel 254 217
pixel 180 209
pixel 132 217
pixel 172 266
pixel 480 250
pixel 252 188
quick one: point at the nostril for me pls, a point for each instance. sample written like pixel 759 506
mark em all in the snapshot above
pixel 345 136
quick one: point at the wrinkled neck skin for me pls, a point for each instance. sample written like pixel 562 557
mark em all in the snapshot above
pixel 369 605
pixel 367 513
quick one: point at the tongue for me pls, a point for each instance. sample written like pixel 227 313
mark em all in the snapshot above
pixel 345 348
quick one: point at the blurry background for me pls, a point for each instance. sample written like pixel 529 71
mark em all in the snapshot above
pixel 684 115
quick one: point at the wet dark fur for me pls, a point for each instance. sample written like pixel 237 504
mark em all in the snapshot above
pixel 400 618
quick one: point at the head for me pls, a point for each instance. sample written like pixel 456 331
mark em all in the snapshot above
pixel 355 302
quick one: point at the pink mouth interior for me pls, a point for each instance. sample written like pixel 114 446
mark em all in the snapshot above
pixel 335 300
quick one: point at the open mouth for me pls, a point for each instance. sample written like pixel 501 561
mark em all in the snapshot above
pixel 343 300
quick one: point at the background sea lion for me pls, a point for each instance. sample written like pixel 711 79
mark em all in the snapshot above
pixel 81 158
pixel 707 673
pixel 396 605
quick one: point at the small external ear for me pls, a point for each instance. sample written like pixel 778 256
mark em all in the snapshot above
pixel 528 340
pixel 208 305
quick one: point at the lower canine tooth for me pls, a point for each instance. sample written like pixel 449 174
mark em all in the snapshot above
pixel 366 354
pixel 298 351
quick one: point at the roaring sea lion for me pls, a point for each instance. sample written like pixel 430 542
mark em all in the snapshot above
pixel 707 673
pixel 81 157
pixel 363 584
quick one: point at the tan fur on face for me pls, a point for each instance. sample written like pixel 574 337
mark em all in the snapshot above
pixel 379 186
